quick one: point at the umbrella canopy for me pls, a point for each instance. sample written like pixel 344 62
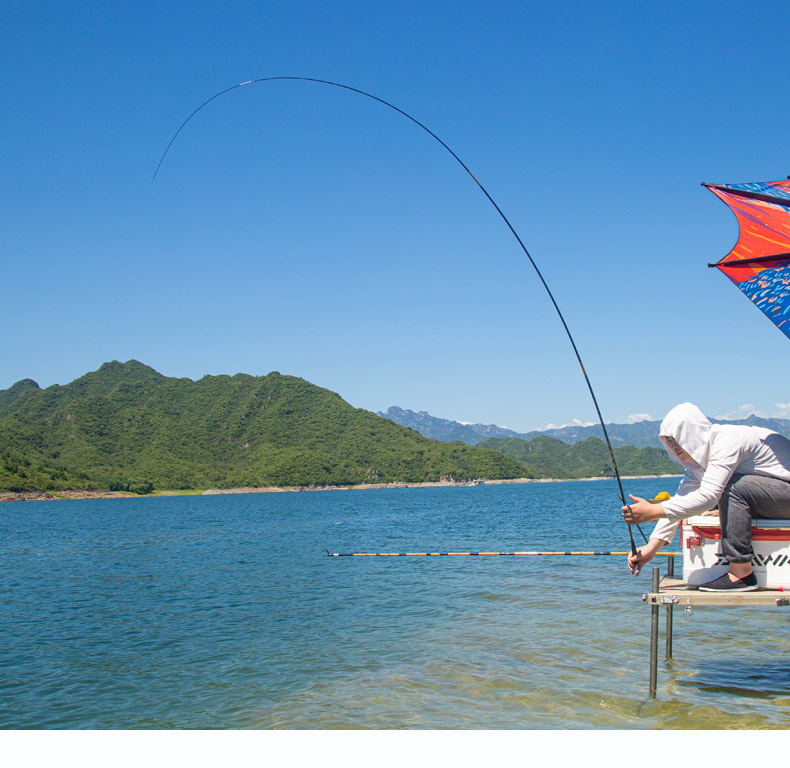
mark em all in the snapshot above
pixel 759 264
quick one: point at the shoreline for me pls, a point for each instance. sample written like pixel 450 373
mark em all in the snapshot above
pixel 71 495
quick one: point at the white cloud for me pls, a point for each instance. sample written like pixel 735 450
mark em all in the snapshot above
pixel 634 418
pixel 782 410
pixel 731 416
pixel 574 423
pixel 747 409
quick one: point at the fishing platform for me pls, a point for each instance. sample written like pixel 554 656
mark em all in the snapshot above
pixel 670 593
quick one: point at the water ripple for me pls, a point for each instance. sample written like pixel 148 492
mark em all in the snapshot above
pixel 224 612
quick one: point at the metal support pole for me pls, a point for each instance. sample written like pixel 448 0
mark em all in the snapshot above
pixel 654 635
pixel 670 608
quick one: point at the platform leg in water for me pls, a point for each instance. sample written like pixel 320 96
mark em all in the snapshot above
pixel 670 608
pixel 654 636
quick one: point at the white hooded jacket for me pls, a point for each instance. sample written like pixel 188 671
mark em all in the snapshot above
pixel 718 452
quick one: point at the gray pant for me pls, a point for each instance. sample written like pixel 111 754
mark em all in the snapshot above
pixel 747 497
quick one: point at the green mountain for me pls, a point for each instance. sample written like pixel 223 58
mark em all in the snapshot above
pixel 8 396
pixel 548 457
pixel 127 424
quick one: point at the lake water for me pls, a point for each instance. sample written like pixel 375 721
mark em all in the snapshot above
pixel 225 612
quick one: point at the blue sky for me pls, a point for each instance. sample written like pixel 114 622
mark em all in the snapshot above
pixel 299 228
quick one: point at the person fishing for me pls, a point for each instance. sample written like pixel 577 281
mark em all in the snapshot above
pixel 744 470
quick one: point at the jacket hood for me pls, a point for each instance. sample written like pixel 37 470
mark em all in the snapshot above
pixel 691 430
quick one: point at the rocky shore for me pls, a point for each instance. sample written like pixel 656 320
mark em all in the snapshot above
pixel 441 484
pixel 56 495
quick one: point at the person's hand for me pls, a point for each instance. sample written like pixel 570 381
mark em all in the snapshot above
pixel 641 511
pixel 643 555
pixel 635 562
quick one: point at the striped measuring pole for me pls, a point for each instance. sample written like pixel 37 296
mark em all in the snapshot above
pixel 491 554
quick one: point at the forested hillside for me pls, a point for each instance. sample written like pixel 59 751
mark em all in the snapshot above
pixel 549 457
pixel 127 425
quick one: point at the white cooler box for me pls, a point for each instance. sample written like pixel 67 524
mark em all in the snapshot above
pixel 700 537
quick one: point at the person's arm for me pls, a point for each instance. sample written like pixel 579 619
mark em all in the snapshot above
pixel 665 530
pixel 727 452
pixel 694 495
pixel 642 510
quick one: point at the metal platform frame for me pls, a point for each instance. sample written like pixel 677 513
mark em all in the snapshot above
pixel 671 592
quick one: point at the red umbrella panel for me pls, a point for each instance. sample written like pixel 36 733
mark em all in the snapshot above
pixel 759 264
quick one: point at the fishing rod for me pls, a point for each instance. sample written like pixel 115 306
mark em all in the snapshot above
pixel 490 199
pixel 490 554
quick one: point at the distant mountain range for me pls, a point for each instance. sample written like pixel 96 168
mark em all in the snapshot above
pixel 642 434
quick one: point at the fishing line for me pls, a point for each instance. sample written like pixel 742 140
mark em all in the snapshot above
pixel 490 199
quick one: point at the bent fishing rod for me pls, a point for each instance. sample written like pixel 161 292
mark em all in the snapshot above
pixel 490 200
